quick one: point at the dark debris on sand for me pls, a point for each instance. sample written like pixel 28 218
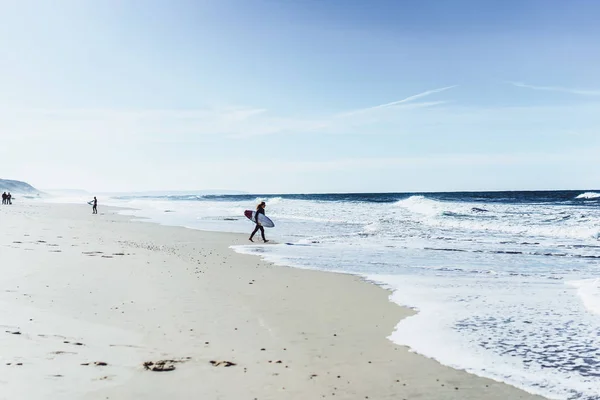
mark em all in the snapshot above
pixel 163 365
pixel 222 363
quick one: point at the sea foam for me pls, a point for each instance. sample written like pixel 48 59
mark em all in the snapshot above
pixel 588 291
pixel 589 195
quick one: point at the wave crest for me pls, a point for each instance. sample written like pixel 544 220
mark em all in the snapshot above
pixel 420 205
pixel 269 201
pixel 588 195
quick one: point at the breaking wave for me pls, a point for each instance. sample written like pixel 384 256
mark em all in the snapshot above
pixel 589 195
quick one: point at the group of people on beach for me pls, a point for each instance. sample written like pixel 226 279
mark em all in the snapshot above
pixel 6 198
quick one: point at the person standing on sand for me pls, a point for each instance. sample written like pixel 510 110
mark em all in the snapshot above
pixel 260 209
pixel 9 198
pixel 95 206
pixel 4 198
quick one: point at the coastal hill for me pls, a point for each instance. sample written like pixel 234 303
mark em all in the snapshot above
pixel 7 185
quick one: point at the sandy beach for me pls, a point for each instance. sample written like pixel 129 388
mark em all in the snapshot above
pixel 91 305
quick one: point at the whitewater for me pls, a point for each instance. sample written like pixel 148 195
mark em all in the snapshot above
pixel 506 284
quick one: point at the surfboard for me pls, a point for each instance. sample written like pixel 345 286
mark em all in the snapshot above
pixel 263 219
pixel 91 202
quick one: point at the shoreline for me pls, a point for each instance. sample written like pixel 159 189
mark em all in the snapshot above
pixel 159 292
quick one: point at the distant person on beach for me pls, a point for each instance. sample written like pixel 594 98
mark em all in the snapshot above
pixel 94 205
pixel 9 198
pixel 260 209
pixel 4 197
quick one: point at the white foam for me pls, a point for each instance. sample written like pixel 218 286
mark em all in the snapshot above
pixel 269 200
pixel 421 205
pixel 588 195
pixel 588 291
pixel 519 219
pixel 488 329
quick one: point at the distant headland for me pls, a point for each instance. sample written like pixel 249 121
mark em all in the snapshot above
pixel 7 185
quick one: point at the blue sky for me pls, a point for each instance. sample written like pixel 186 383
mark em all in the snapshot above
pixel 301 96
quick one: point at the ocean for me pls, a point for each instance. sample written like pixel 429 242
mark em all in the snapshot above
pixel 507 284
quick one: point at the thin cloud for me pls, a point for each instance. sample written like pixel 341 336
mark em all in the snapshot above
pixel 189 125
pixel 405 100
pixel 557 89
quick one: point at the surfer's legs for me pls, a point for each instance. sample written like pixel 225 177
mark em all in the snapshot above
pixel 95 210
pixel 254 231
pixel 262 232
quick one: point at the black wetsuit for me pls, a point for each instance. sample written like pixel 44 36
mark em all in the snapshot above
pixel 95 207
pixel 262 230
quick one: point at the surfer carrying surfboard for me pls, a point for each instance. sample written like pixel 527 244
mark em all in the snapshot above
pixel 94 204
pixel 260 209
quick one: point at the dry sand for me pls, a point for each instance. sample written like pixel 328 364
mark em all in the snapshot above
pixel 86 300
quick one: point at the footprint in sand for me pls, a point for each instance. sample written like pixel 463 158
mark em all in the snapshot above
pixel 73 343
pixel 96 363
pixel 55 336
pixel 62 352
pixel 91 253
pixel 126 345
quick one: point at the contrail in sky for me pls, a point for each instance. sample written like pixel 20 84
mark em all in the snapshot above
pixel 557 89
pixel 394 103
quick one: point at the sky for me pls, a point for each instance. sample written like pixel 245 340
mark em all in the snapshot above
pixel 305 96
